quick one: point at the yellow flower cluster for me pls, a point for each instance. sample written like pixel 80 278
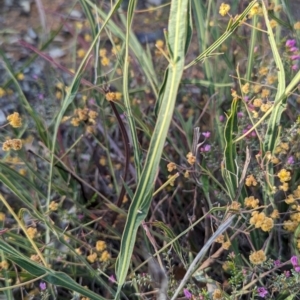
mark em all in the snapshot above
pixel 297 25
pixel 92 257
pixel 15 144
pixel 255 10
pixel 4 265
pixel 113 96
pixel 290 225
pixel 251 202
pixel 81 53
pixel 257 257
pixel 32 232
pixel 104 59
pixel 282 148
pixel 171 166
pixel 217 294
pixel 100 247
pixel 224 9
pixel 235 205
pixel 257 102
pixel 294 221
pixel 53 206
pixel 15 120
pixel 221 240
pixel 191 158
pixel 250 181
pixel 284 175
pixel 245 88
pixel 83 115
pixel 275 214
pixel 259 220
pixel 2 217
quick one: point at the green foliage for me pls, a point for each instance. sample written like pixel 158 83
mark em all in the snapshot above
pixel 196 139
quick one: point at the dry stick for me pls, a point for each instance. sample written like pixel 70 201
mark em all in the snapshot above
pixel 201 254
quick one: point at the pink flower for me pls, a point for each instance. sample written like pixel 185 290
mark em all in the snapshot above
pixel 294 67
pixel 297 269
pixel 206 148
pixel 112 278
pixel 221 118
pixel 240 114
pixel 276 263
pixel 206 134
pixel 287 274
pixel 262 292
pixel 294 260
pixel 291 160
pixel 43 286
pixel 290 43
pixel 294 49
pixel 295 57
pixel 187 293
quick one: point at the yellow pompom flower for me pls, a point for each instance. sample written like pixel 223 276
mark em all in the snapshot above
pixel 254 10
pixel 171 166
pixel 15 120
pixel 267 224
pixel 275 214
pixel 251 202
pixel 2 217
pixel 105 256
pixel 53 206
pixel 297 26
pixel 224 9
pixel 245 88
pixel 100 245
pixel 32 232
pixel 284 175
pixel 92 257
pixel 81 53
pixel 217 294
pixel 257 219
pixel 105 61
pixel 191 158
pixel 250 180
pixel 257 102
pixel 257 257
pixel 290 225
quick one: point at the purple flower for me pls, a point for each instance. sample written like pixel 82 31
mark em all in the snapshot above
pixel 206 134
pixel 187 293
pixel 294 49
pixel 246 98
pixel 287 274
pixel 290 43
pixel 294 260
pixel 294 67
pixel 297 269
pixel 221 118
pixel 41 96
pixel 206 148
pixel 112 278
pixel 276 263
pixel 291 160
pixel 43 285
pixel 240 114
pixel 295 57
pixel 262 292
